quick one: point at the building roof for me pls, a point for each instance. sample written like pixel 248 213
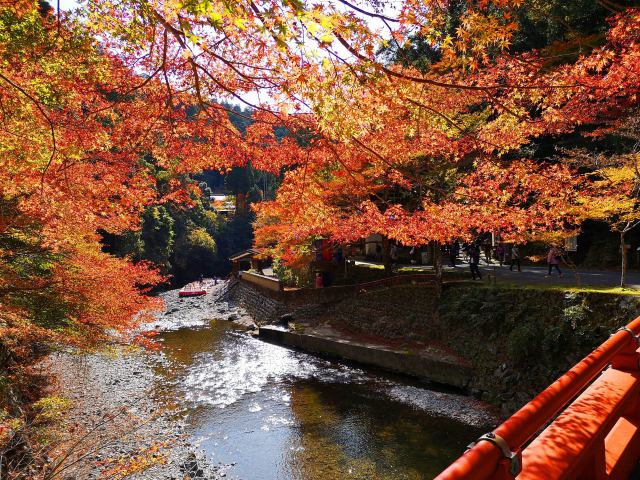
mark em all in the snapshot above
pixel 244 254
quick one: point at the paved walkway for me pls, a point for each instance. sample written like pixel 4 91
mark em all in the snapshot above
pixel 533 275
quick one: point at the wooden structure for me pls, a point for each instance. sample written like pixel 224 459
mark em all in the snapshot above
pixel 244 260
pixel 597 436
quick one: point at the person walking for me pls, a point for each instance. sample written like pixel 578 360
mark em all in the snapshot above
pixel 486 246
pixel 378 252
pixel 515 258
pixel 553 259
pixel 394 253
pixel 474 260
pixel 465 251
pixel 454 250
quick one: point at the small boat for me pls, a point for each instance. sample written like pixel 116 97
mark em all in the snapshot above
pixel 197 288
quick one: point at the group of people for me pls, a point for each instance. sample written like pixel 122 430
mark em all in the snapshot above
pixel 473 251
pixel 201 279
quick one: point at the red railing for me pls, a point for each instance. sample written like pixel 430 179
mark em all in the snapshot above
pixel 596 436
pixel 415 278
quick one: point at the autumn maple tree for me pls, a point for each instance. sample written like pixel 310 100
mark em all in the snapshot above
pixel 417 154
pixel 82 134
pixel 613 193
pixel 417 123
pixel 449 139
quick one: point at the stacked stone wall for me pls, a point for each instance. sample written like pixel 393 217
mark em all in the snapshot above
pixel 267 306
pixel 518 340
pixel 403 312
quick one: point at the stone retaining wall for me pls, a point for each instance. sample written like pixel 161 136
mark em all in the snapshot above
pixel 385 311
pixel 267 306
pixel 262 307
pixel 518 340
pixel 269 283
pixel 423 365
pixel 403 312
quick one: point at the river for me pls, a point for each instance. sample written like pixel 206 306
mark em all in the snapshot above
pixel 275 413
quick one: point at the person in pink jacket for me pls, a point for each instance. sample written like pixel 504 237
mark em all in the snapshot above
pixel 553 259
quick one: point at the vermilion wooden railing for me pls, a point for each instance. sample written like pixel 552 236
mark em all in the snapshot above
pixel 596 437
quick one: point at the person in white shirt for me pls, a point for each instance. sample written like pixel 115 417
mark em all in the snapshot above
pixel 515 258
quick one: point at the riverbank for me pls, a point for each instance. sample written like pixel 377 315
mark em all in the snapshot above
pixel 425 362
pixel 115 422
pixel 119 425
pixel 193 409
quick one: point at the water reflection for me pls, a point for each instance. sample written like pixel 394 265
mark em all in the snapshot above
pixel 360 435
pixel 282 414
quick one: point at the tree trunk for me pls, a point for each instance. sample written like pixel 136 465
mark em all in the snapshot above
pixel 623 252
pixel 437 264
pixel 386 256
pixel 345 259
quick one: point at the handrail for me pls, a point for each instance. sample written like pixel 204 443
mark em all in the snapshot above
pixel 397 280
pixel 484 460
pixel 390 281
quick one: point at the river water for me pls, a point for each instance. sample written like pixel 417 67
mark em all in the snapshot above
pixel 276 413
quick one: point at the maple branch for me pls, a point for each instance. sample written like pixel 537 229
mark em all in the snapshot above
pixel 98 445
pixel 607 6
pixel 437 83
pixel 150 125
pixel 204 104
pixel 393 73
pixel 179 35
pixel 304 177
pixel 509 110
pixel 47 118
pixel 451 122
pixel 135 88
pixel 370 14
pixel 216 106
pixel 232 93
pixel 436 112
pixel 260 17
pixel 389 164
pixel 399 50
pixel 633 225
pixel 60 462
pixel 166 77
pixel 231 65
pixel 341 162
pixel 58 33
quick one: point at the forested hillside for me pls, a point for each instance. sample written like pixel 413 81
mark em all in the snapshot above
pixel 186 240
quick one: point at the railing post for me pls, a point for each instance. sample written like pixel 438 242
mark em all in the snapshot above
pixel 508 469
pixel 628 358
